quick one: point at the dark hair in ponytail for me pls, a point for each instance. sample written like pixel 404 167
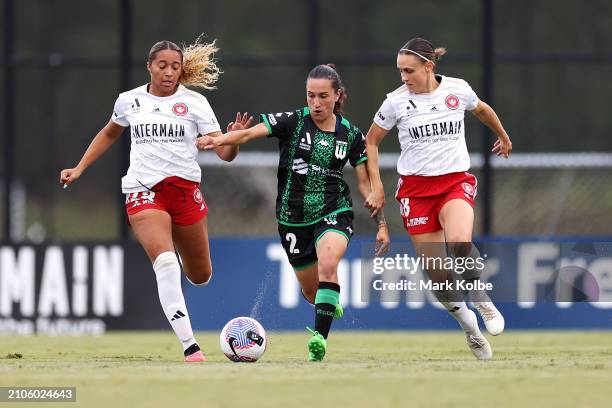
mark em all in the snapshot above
pixel 328 71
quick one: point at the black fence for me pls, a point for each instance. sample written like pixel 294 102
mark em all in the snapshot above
pixel 64 62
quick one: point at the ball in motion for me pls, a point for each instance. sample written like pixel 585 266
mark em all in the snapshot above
pixel 243 340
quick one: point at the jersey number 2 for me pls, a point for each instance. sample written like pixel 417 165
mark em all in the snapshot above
pixel 292 241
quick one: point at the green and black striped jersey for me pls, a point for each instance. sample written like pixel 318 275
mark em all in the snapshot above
pixel 310 182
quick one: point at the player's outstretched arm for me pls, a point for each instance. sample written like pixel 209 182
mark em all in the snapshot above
pixel 229 153
pixel 382 236
pixel 233 138
pixel 100 144
pixel 376 199
pixel 486 114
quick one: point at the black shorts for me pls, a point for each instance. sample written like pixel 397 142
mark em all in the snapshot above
pixel 300 242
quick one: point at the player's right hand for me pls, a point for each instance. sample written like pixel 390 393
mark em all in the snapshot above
pixel 207 143
pixel 375 202
pixel 502 147
pixel 69 176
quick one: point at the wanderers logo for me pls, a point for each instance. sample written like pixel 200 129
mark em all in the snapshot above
pixel 197 196
pixel 341 148
pixel 180 109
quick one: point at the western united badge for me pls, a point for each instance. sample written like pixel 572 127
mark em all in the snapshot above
pixel 341 148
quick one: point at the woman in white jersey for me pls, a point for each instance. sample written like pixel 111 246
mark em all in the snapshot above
pixel 163 201
pixel 435 191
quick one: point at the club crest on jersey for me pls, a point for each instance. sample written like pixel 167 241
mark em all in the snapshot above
pixel 469 189
pixel 341 148
pixel 452 102
pixel 197 196
pixel 180 109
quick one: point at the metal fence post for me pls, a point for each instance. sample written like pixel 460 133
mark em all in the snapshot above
pixel 125 83
pixel 487 95
pixel 9 114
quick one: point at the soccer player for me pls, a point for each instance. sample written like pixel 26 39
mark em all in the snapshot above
pixel 163 200
pixel 313 206
pixel 435 191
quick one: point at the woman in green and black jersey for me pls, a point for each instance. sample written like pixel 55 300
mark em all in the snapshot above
pixel 313 206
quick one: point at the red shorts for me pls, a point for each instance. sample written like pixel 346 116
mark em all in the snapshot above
pixel 180 198
pixel 421 198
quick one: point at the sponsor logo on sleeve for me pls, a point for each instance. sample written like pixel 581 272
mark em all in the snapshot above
pixel 272 120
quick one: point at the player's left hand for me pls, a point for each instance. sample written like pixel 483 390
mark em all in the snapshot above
pixel 242 121
pixel 382 240
pixel 502 148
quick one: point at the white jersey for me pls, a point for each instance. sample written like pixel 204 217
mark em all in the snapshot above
pixel 164 132
pixel 431 127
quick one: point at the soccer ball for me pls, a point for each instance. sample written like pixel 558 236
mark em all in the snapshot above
pixel 243 340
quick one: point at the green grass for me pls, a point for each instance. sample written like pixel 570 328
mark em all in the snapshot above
pixel 362 369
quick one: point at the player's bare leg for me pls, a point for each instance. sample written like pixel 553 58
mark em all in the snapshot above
pixel 192 244
pixel 309 281
pixel 153 229
pixel 457 220
pixel 432 245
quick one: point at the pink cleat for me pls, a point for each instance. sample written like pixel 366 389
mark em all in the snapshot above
pixel 197 357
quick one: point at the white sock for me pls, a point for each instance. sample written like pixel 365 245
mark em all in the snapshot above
pixel 461 313
pixel 168 273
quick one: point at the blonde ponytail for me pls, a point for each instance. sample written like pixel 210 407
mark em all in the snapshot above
pixel 199 67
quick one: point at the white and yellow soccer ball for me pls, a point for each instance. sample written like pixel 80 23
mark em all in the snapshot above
pixel 243 339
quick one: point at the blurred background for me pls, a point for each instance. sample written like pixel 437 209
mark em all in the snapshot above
pixel 542 68
pixel 543 65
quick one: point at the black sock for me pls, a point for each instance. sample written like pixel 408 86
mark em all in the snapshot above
pixel 325 306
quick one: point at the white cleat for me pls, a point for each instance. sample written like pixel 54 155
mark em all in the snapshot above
pixel 477 342
pixel 493 319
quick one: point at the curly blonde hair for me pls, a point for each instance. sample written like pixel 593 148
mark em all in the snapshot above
pixel 199 68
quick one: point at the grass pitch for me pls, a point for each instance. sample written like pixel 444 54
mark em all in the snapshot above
pixel 362 369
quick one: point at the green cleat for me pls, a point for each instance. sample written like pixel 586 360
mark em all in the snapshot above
pixel 316 346
pixel 339 312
